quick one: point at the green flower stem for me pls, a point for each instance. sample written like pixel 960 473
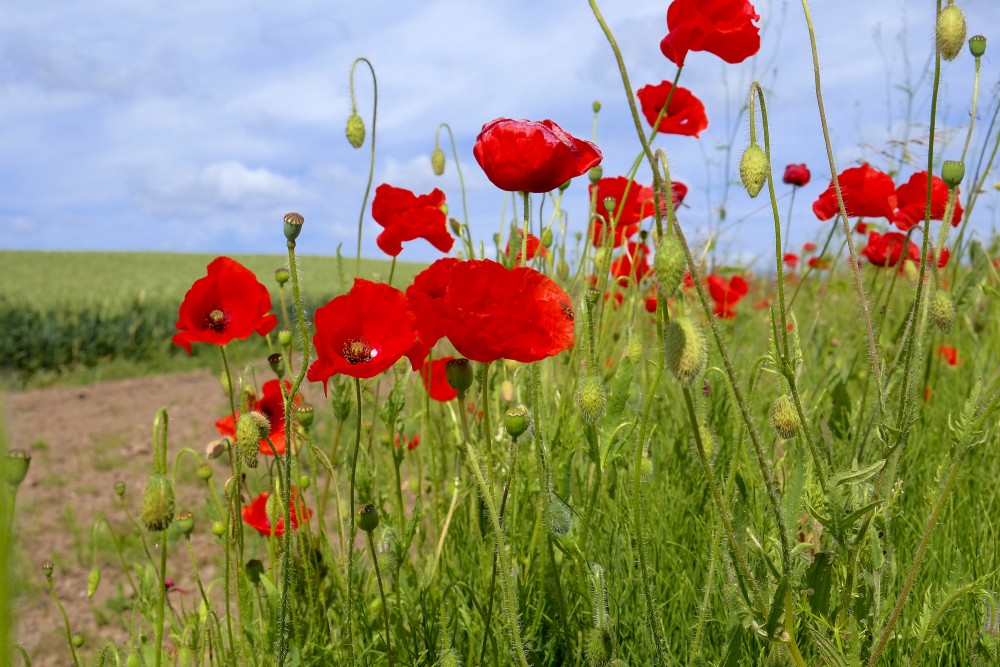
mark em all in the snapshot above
pixel 466 234
pixel 381 592
pixel 69 632
pixel 162 598
pixel 371 161
pixel 197 574
pixel 793 648
pixel 525 227
pixel 353 529
pixel 788 220
pixel 855 264
pixel 507 587
pixel 233 506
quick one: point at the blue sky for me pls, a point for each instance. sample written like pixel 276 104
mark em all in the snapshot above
pixel 194 126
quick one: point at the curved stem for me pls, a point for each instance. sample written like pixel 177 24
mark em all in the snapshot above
pixel 466 233
pixel 371 161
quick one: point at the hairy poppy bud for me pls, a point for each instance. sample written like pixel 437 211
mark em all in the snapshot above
pixel 277 363
pixel 634 349
pixel 450 659
pixel 185 521
pixel 595 174
pixel 459 374
pixel 669 263
pixel 707 440
pixel 952 173
pixel 293 225
pixel 15 467
pixel 355 131
pixel 119 489
pixel 685 349
pixel 977 46
pixel 281 275
pixel 516 421
pixel 753 169
pixel 368 517
pixel 598 647
pixel 784 417
pixel 437 161
pixel 942 311
pixel 157 504
pixel 950 32
pixel 218 528
pixel 591 399
pixel 225 383
pixel 93 581
pixel 250 428
pixel 547 237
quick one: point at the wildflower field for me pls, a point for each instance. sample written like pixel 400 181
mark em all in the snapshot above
pixel 599 444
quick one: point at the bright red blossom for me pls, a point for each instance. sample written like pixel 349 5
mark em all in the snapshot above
pixel 911 199
pixel 363 332
pixel 535 247
pixel 435 380
pixel 949 354
pixel 791 260
pixel 227 304
pixel 632 266
pixel 722 27
pixel 255 514
pixel 867 192
pixel 529 156
pixel 411 444
pixel 685 115
pixel 796 174
pixel 272 405
pixel 406 216
pixel 808 246
pixel 885 249
pixel 726 294
pixel 819 263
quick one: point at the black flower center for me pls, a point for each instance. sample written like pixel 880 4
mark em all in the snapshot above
pixel 358 351
pixel 216 320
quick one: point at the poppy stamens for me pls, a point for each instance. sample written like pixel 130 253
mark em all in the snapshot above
pixel 216 320
pixel 358 351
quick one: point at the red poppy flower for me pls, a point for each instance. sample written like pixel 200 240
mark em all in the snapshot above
pixel 651 303
pixel 255 514
pixel 911 199
pixel 411 444
pixel 791 260
pixel 797 175
pixel 271 405
pixel 885 249
pixel 688 281
pixel 819 263
pixel 362 333
pixel 435 380
pixel 722 27
pixel 726 294
pixel 861 227
pixel 633 266
pixel 535 247
pixel 685 115
pixel 407 216
pixel 226 304
pixel 808 246
pixel 490 312
pixel 529 156
pixel 943 258
pixel 618 297
pixel 867 193
pixel 949 354
pixel 629 208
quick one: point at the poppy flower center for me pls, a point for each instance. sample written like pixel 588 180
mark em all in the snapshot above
pixel 358 351
pixel 216 320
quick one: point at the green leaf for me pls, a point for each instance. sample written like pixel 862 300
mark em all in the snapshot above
pixel 777 607
pixel 859 475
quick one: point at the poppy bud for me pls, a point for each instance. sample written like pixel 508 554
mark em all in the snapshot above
pixel 225 383
pixel 293 226
pixel 47 567
pixel 355 131
pixel 952 173
pixel 368 517
pixel 950 31
pixel 634 349
pixel 646 467
pixel 596 106
pixel 595 174
pixel 669 263
pixel 784 417
pixel 254 569
pixel 601 256
pixel 598 647
pixel 684 345
pixel 305 414
pixel 77 640
pixel 250 428
pixel 565 185
pixel 157 504
pixel 456 226
pixel 284 338
pixel 591 399
pixel 942 311
pixel 753 169
pixel 185 521
pixel 560 515
pixel 459 374
pixel 450 659
pixel 216 448
pixel 547 237
pixel 305 481
pixel 281 275
pixel 591 295
pixel 204 472
pixel 277 363
pixel 15 467
pixel 707 440
pixel 218 528
pixel 93 581
pixel 119 489
pixel 437 161
pixel 977 45
pixel 516 421
pixel 562 269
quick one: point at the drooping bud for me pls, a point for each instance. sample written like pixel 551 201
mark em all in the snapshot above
pixel 281 275
pixel 293 225
pixel 591 399
pixel 516 421
pixel 598 647
pixel 977 46
pixel 456 226
pixel 277 363
pixel 784 417
pixel 93 581
pixel 952 173
pixel 355 131
pixel 669 263
pixel 459 374
pixel 437 161
pixel 754 169
pixel 217 448
pixel 560 515
pixel 595 174
pixel 942 311
pixel 185 521
pixel 368 517
pixel 685 349
pixel 204 472
pixel 15 466
pixel 225 383
pixel 157 504
pixel 950 31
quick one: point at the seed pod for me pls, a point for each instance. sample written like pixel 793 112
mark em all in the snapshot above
pixel 784 417
pixel 516 421
pixel 685 349
pixel 281 275
pixel 368 517
pixel 952 173
pixel 977 46
pixel 355 131
pixel 669 263
pixel 277 363
pixel 595 174
pixel 459 374
pixel 437 161
pixel 15 466
pixel 305 414
pixel 942 311
pixel 591 399
pixel 753 169
pixel 950 32
pixel 157 504
pixel 293 225
pixel 185 522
